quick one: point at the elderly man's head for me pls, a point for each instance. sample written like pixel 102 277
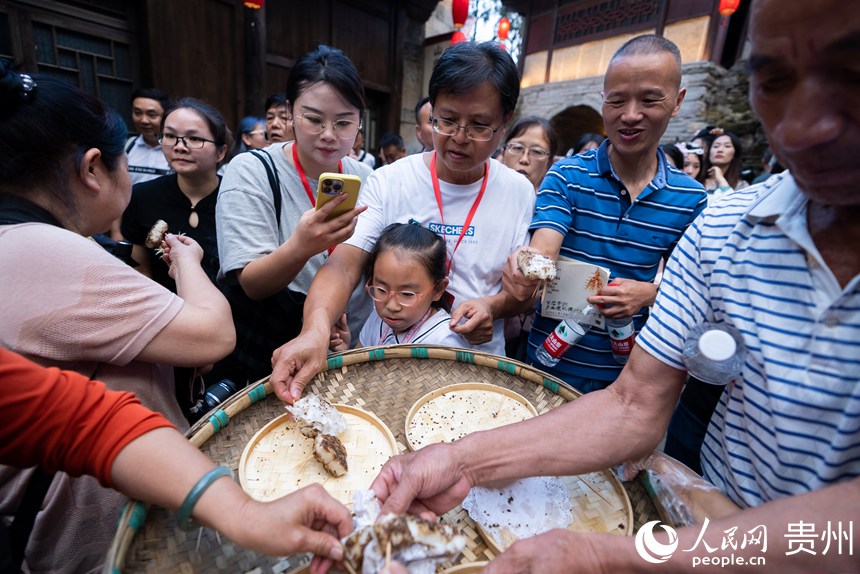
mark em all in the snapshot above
pixel 805 87
pixel 641 93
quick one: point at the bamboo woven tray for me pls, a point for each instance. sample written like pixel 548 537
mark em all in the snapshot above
pixel 385 381
pixel 279 458
pixel 452 412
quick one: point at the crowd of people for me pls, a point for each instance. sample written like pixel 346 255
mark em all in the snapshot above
pixel 253 280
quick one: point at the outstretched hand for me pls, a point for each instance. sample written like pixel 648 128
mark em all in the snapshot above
pixel 473 320
pixel 296 363
pixel 179 248
pixel 624 298
pixel 428 482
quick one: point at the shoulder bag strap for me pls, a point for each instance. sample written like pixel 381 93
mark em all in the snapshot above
pixel 274 182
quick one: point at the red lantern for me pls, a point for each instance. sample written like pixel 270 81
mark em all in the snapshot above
pixel 728 7
pixel 460 11
pixel 504 28
pixel 458 37
pixel 254 4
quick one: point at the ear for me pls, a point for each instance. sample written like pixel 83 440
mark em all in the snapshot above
pixel 221 153
pixel 440 289
pixel 681 94
pixel 93 170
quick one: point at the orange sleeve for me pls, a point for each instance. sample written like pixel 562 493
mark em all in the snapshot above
pixel 64 421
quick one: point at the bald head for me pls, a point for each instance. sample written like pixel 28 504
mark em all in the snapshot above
pixel 648 45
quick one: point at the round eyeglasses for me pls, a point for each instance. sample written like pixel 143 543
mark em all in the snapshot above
pixel 191 142
pixel 535 153
pixel 313 124
pixel 403 298
pixel 476 133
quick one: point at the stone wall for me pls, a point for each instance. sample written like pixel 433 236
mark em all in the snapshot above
pixel 715 96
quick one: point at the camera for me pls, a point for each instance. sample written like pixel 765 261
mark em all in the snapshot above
pixel 213 396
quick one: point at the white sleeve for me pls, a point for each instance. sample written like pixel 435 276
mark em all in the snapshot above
pixel 371 222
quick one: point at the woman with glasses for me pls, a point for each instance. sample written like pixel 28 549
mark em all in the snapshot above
pixel 68 303
pixel 269 258
pixel 406 278
pixel 250 134
pixel 530 147
pixel 194 137
pixel 479 207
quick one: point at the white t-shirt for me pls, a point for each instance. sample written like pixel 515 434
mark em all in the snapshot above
pixel 145 163
pixel 403 190
pixel 434 331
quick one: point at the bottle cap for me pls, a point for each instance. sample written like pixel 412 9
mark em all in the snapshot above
pixel 717 345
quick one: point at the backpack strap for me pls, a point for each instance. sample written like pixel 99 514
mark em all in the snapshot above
pixel 130 143
pixel 274 182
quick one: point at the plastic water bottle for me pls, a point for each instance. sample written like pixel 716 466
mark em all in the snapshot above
pixel 571 329
pixel 714 353
pixel 622 333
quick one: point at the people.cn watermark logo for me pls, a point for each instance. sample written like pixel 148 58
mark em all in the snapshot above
pixel 649 549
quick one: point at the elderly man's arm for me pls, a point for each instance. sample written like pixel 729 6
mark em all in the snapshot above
pixel 624 421
pixel 296 362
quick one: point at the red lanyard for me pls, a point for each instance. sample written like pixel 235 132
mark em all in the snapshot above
pixel 304 178
pixel 472 211
pixel 305 183
pixel 410 333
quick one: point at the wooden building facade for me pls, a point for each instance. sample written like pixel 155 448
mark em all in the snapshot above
pixel 220 51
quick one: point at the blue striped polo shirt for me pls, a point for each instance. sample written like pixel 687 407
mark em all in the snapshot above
pixel 583 199
pixel 792 422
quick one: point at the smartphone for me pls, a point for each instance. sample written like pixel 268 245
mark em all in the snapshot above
pixel 332 185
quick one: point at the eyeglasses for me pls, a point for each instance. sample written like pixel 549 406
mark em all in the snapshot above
pixel 535 153
pixel 403 298
pixel 344 129
pixel 191 142
pixel 476 133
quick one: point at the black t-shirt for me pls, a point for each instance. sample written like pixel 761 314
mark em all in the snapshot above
pixel 161 198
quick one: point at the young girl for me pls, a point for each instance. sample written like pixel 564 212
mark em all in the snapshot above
pixel 407 281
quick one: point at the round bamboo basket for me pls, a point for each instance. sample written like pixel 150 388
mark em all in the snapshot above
pixel 385 381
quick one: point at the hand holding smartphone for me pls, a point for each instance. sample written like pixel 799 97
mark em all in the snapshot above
pixel 332 185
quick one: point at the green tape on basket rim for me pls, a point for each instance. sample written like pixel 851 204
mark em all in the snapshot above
pixel 219 420
pixel 551 385
pixel 507 367
pixel 258 393
pixel 464 357
pixel 376 354
pixel 420 352
pixel 137 517
pixel 335 362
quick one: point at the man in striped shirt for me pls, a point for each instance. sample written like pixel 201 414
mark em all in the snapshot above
pixel 780 262
pixel 620 206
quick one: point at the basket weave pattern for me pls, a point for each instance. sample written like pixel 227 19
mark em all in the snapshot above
pixel 384 381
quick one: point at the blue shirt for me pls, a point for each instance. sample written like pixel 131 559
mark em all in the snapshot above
pixel 582 198
pixel 792 422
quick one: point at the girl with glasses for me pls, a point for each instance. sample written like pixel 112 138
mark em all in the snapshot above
pixel 268 259
pixel 407 278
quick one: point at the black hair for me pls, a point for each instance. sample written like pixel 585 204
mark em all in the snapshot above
pixel 674 155
pixel 213 118
pixel 465 66
pixel 276 99
pixel 329 65
pixel 733 172
pixel 648 44
pixel 391 138
pixel 46 126
pixel 246 126
pixel 421 243
pixel 584 140
pixel 525 123
pixel 153 94
pixel 418 107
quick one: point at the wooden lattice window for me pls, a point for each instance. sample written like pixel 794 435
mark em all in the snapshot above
pixel 604 18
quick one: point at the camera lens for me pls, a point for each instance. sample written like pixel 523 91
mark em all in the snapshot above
pixel 327 182
pixel 219 392
pixel 338 186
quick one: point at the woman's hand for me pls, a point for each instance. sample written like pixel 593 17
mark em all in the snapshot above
pixel 716 174
pixel 179 249
pixel 315 233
